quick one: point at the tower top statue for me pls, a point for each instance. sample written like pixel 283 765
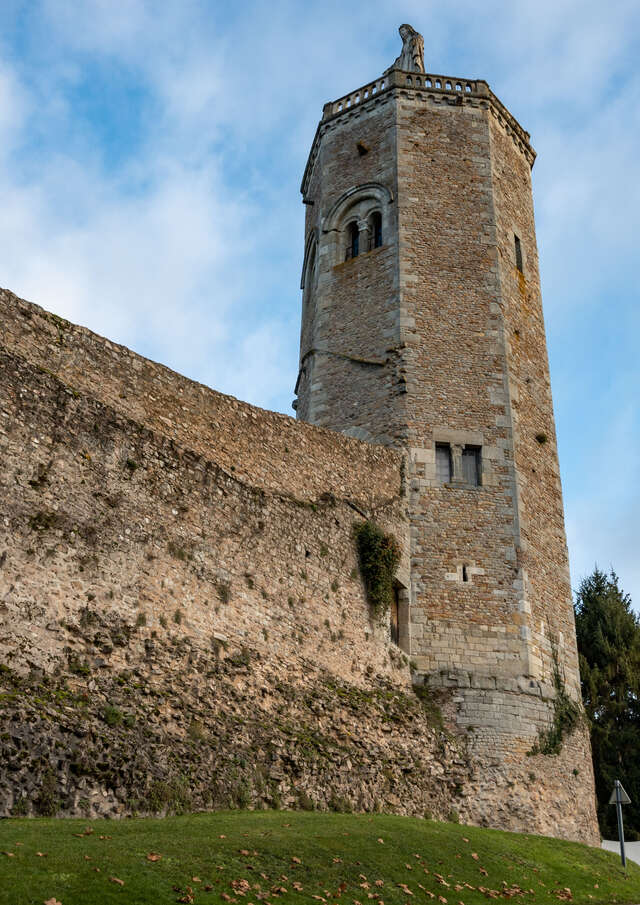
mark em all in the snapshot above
pixel 411 58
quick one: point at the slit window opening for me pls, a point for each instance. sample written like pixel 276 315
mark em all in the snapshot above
pixel 353 248
pixel 518 247
pixel 376 230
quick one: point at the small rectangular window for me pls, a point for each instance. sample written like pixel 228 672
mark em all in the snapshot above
pixel 443 463
pixel 518 254
pixel 471 465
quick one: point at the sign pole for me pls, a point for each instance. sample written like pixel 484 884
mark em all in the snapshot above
pixel 618 788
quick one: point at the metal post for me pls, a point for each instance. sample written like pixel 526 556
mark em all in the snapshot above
pixel 620 827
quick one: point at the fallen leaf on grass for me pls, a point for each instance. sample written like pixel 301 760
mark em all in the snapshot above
pixel 153 856
pixel 297 886
pixel 116 880
pixel 464 839
pixel 381 883
pixel 87 858
pixel 9 854
pixel 475 856
pixel 296 860
pixel 41 854
pixel 52 901
pixel 381 841
pixel 442 899
pixel 196 880
pixel 484 872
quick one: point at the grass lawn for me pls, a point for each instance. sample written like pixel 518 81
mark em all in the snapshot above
pixel 283 856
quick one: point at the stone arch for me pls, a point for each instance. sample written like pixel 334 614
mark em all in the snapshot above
pixel 357 204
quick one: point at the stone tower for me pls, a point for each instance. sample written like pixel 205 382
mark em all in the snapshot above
pixel 422 328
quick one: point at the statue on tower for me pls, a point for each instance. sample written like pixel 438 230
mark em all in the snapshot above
pixel 412 57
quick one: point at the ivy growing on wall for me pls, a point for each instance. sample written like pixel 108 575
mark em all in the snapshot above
pixel 379 556
pixel 567 714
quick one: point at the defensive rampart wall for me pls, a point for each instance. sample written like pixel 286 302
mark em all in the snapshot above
pixel 182 620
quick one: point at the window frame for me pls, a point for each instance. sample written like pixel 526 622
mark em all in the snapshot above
pixel 469 450
pixel 440 448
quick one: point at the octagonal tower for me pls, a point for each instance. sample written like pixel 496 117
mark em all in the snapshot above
pixel 422 327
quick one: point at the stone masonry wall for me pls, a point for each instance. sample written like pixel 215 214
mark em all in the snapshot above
pixel 179 633
pixel 350 329
pixel 543 558
pixel 158 531
pixel 456 375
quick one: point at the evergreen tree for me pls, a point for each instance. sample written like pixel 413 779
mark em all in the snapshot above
pixel 608 633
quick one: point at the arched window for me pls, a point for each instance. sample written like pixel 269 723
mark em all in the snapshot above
pixel 355 208
pixel 376 229
pixel 353 248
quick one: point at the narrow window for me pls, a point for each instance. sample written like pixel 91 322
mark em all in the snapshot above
pixel 394 629
pixel 353 248
pixel 443 463
pixel 471 465
pixel 518 254
pixel 465 574
pixel 376 229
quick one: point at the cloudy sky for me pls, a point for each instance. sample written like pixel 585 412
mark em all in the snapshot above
pixel 150 162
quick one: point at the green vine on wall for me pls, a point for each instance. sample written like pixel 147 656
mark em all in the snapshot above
pixel 379 557
pixel 567 714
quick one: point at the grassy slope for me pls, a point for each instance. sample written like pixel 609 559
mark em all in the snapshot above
pixel 340 859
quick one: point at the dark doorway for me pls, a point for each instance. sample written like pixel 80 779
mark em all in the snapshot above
pixel 394 621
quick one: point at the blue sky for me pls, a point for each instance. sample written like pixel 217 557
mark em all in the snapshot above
pixel 150 162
